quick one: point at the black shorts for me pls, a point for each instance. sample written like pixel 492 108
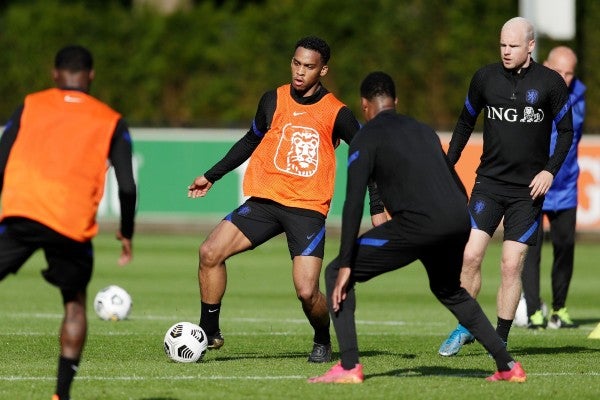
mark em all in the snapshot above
pixel 393 245
pixel 70 263
pixel 492 200
pixel 260 220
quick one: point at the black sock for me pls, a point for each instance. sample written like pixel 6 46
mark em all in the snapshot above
pixel 209 318
pixel 322 336
pixel 503 328
pixel 67 368
pixel 505 363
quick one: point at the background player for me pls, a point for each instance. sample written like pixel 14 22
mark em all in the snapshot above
pixel 521 100
pixel 560 207
pixel 429 222
pixel 53 161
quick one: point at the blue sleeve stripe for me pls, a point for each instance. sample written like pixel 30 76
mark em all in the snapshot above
pixel 8 125
pixel 372 242
pixel 469 107
pixel 563 111
pixel 256 131
pixel 353 157
pixel 127 136
pixel 311 247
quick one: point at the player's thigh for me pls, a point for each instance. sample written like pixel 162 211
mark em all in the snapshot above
pixel 476 246
pixel 443 261
pixel 513 256
pixel 306 271
pixel 250 225
pixel 385 248
pixel 13 250
pixel 70 263
pixel 223 241
pixel 305 233
pixel 522 219
pixel 486 211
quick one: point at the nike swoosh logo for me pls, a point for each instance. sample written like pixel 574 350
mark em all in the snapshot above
pixel 296 113
pixel 73 99
pixel 310 236
pixel 212 311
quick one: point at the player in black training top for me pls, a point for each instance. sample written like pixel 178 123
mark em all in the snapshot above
pixel 519 99
pixel 427 205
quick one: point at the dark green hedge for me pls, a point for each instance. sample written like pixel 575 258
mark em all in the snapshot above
pixel 209 65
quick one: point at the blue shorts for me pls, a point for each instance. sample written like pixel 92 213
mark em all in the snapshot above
pixel 491 201
pixel 70 263
pixel 260 220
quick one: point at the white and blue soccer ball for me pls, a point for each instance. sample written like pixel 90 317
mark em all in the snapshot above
pixel 521 317
pixel 185 342
pixel 113 303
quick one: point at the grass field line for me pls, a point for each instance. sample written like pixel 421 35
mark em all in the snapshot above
pixel 409 374
pixel 233 319
pixel 160 378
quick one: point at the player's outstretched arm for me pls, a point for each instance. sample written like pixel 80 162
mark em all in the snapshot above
pixel 199 187
pixel 126 249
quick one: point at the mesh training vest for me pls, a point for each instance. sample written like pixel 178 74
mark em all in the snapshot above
pixel 56 168
pixel 294 164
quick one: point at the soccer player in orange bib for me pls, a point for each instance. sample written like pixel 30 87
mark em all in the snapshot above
pixel 289 180
pixel 53 162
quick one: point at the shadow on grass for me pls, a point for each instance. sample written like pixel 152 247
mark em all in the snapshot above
pixel 586 321
pixel 432 371
pixel 335 356
pixel 159 398
pixel 514 351
pixel 551 350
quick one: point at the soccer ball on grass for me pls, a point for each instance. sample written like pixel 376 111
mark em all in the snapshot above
pixel 521 317
pixel 112 303
pixel 185 342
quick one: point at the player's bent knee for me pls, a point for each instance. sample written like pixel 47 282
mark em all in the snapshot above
pixel 209 256
pixel 308 295
pixel 471 261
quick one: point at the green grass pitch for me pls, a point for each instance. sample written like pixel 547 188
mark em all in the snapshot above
pixel 400 326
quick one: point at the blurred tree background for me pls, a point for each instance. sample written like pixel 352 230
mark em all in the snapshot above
pixel 186 63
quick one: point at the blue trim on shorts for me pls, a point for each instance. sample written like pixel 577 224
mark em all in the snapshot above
pixel 315 242
pixel 529 232
pixel 372 242
pixel 473 222
pixel 228 217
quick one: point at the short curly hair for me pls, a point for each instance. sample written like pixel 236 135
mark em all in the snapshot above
pixel 376 84
pixel 317 44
